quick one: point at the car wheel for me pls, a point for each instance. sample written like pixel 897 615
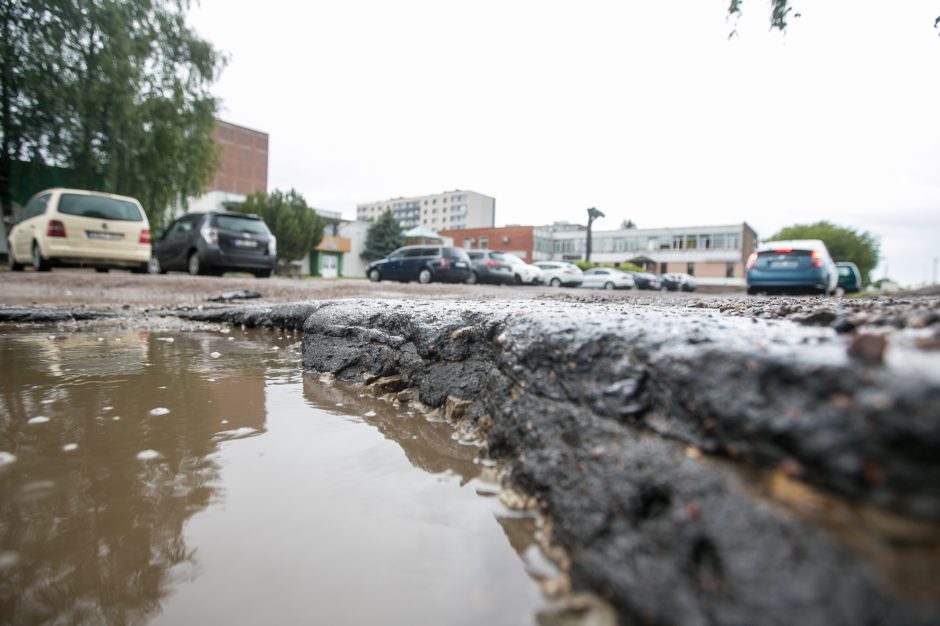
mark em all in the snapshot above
pixel 374 276
pixel 473 279
pixel 102 270
pixel 608 286
pixel 39 263
pixel 263 274
pixel 195 268
pixel 555 282
pixel 516 279
pixel 143 268
pixel 11 261
pixel 154 266
pixel 424 276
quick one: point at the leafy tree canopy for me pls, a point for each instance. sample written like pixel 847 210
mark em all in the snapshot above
pixel 844 244
pixel 117 91
pixel 627 225
pixel 780 11
pixel 384 237
pixel 297 227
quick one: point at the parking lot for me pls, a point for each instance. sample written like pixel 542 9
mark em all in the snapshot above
pixel 72 287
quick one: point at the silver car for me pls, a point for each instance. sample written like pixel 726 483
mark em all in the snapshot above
pixel 556 273
pixel 602 277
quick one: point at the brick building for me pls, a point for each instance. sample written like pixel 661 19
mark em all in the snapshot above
pixel 515 239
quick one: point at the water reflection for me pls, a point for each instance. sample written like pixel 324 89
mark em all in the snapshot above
pixel 90 531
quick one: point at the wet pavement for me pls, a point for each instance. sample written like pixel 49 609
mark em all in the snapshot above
pixel 154 476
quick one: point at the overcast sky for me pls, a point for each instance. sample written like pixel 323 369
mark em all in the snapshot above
pixel 643 109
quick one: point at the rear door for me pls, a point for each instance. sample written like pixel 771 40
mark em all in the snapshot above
pixel 174 246
pixel 29 228
pixel 415 259
pixel 242 236
pixel 100 226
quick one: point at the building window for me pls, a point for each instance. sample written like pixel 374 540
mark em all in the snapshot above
pixel 484 243
pixel 662 268
pixel 468 242
pixel 691 242
pixel 677 242
pixel 705 242
pixel 691 269
pixel 718 241
pixel 434 201
pixel 729 270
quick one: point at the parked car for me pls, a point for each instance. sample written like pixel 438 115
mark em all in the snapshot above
pixel 645 280
pixel 213 243
pixel 82 228
pixel 523 273
pixel 424 264
pixel 796 265
pixel 679 282
pixel 607 278
pixel 850 279
pixel 557 273
pixel 489 267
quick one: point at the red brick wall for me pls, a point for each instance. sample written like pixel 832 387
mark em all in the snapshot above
pixel 515 239
pixel 243 160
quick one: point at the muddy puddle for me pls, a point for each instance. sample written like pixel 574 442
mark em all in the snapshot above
pixel 201 477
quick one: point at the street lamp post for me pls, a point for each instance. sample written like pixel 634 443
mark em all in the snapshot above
pixel 593 214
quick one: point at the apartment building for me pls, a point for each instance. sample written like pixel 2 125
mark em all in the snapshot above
pixel 715 255
pixel 449 210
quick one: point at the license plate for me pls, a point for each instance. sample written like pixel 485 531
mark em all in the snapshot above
pixel 244 243
pixel 784 265
pixel 460 264
pixel 94 234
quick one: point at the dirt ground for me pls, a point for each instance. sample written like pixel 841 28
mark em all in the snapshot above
pixel 69 288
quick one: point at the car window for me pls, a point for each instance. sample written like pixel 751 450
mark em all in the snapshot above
pixel 476 256
pixel 241 223
pixel 512 259
pixel 99 207
pixel 418 252
pixel 36 207
pixel 398 253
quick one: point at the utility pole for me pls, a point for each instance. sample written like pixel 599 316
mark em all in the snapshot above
pixel 593 214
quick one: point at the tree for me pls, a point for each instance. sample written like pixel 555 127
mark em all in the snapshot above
pixel 779 11
pixel 296 226
pixel 384 237
pixel 844 244
pixel 627 225
pixel 116 92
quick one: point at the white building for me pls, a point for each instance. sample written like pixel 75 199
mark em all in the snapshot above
pixel 450 210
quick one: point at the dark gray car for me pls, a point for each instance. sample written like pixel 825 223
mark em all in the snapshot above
pixel 213 243
pixel 489 267
pixel 424 264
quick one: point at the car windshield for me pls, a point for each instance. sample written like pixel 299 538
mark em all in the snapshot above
pixel 99 207
pixel 241 224
pixel 512 259
pixel 845 271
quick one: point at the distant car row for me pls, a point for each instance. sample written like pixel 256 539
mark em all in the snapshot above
pixel 431 263
pixel 105 231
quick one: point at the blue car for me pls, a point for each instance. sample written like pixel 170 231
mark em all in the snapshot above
pixel 424 264
pixel 798 266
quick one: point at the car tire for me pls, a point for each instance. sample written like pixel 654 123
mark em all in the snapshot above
pixel 424 276
pixel 40 264
pixel 154 266
pixel 12 265
pixel 609 286
pixel 473 279
pixel 374 276
pixel 263 274
pixel 555 283
pixel 143 268
pixel 102 270
pixel 516 279
pixel 193 264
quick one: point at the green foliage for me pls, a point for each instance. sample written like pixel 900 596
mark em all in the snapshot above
pixel 297 227
pixel 116 91
pixel 584 265
pixel 844 244
pixel 630 267
pixel 779 10
pixel 384 237
pixel 627 225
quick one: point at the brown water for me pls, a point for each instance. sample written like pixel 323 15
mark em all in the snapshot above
pixel 201 477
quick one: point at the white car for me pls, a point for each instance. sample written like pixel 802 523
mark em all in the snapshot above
pixel 523 273
pixel 606 278
pixel 79 227
pixel 557 273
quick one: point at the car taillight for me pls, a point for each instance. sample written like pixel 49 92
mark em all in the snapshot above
pixel 491 263
pixel 210 235
pixel 444 262
pixel 817 259
pixel 752 260
pixel 55 229
pixel 144 236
